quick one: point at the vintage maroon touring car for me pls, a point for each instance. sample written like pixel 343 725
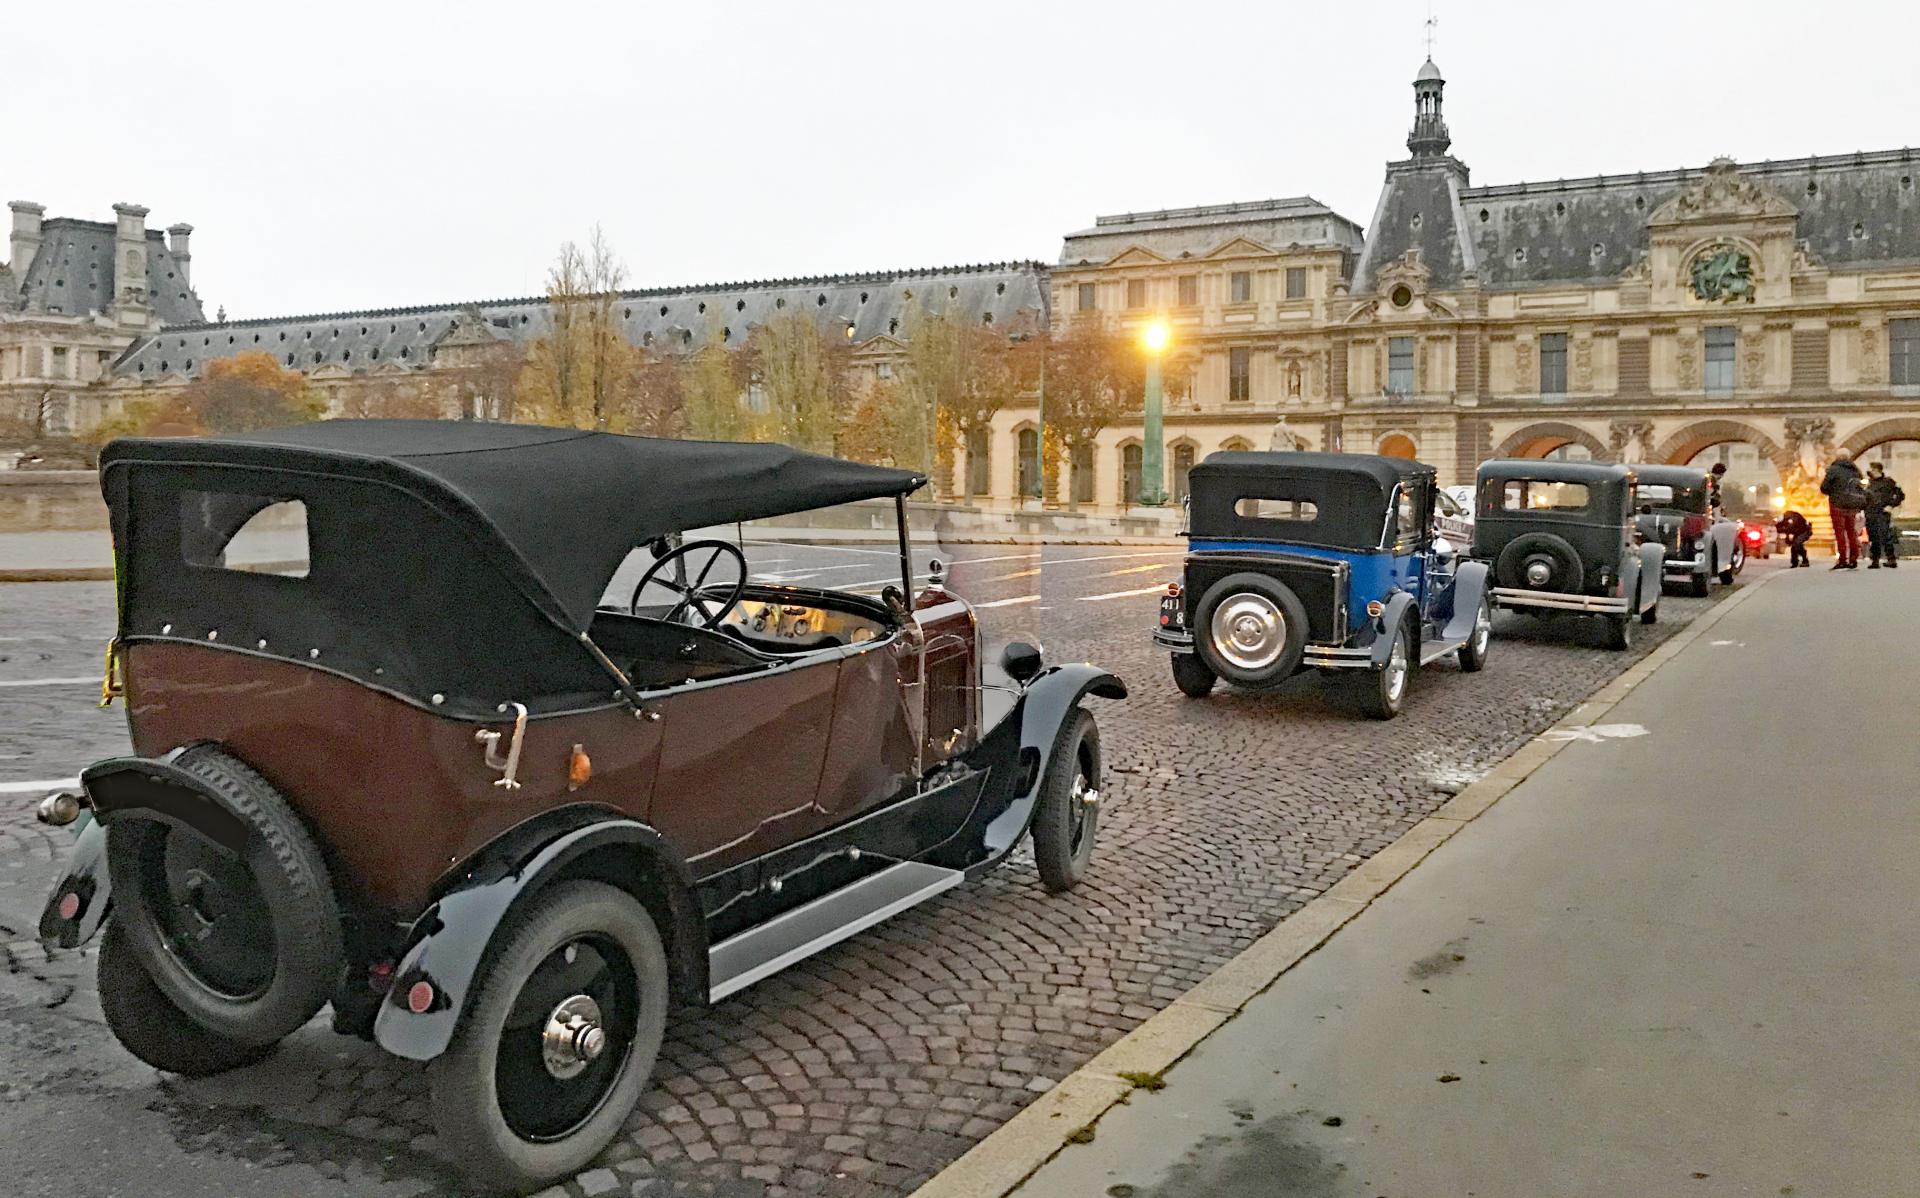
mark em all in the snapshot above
pixel 411 762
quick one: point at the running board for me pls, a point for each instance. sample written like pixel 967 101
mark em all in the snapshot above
pixel 739 961
pixel 1433 655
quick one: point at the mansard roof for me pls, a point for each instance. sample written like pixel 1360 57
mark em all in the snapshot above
pixel 1193 232
pixel 73 274
pixel 1854 210
pixel 873 305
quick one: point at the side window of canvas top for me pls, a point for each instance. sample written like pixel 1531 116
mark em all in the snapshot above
pixel 254 534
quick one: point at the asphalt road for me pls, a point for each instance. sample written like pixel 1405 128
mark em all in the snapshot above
pixel 1654 968
pixel 861 1071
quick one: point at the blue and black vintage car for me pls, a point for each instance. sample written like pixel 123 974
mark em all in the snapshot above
pixel 1326 560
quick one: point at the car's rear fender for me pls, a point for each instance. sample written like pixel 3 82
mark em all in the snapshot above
pixel 1399 607
pixel 448 943
pixel 1653 563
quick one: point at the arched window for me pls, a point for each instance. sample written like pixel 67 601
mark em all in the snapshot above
pixel 979 475
pixel 1130 474
pixel 1235 445
pixel 1397 445
pixel 1182 466
pixel 1029 450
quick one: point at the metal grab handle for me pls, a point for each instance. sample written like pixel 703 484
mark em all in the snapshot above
pixel 509 765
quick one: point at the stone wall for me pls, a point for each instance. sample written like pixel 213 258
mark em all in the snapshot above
pixel 43 500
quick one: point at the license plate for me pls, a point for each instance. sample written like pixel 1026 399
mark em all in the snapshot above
pixel 1172 611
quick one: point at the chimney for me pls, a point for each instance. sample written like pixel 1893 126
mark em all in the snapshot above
pixel 26 234
pixel 130 264
pixel 177 243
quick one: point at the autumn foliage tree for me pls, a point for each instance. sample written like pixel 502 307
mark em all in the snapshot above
pixel 802 381
pixel 961 374
pixel 574 374
pixel 1094 378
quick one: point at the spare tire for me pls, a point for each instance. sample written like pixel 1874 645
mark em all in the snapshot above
pixel 247 944
pixel 1539 561
pixel 1250 630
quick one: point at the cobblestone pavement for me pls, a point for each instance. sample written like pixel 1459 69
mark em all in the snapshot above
pixel 864 1070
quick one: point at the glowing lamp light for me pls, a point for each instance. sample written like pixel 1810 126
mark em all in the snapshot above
pixel 1155 336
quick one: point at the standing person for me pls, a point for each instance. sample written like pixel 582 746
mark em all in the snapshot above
pixel 1716 477
pixel 1883 495
pixel 1846 496
pixel 1793 526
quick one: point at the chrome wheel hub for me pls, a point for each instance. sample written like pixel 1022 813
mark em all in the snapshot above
pixel 1083 794
pixel 573 1037
pixel 1397 670
pixel 1482 629
pixel 1538 572
pixel 1248 631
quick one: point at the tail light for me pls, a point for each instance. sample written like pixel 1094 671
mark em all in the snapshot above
pixel 1693 526
pixel 1173 588
pixel 1753 536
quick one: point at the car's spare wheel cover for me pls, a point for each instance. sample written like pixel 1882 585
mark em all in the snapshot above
pixel 247 943
pixel 1250 629
pixel 1539 561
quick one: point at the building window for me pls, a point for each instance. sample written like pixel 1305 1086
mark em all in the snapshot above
pixel 1082 460
pixel 1296 282
pixel 1131 473
pixel 1242 286
pixel 1182 468
pixel 883 370
pixel 1136 293
pixel 1553 364
pixel 1721 342
pixel 60 364
pixel 1189 291
pixel 1239 374
pixel 1086 298
pixel 979 461
pixel 1400 366
pixel 1903 343
pixel 1029 442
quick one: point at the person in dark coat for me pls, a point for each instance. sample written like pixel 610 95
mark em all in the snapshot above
pixel 1716 480
pixel 1793 526
pixel 1846 497
pixel 1883 495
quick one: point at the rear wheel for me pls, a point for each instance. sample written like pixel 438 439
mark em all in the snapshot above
pixel 1384 691
pixel 1192 676
pixel 1473 654
pixel 1650 614
pixel 1069 811
pixel 1250 630
pixel 1619 632
pixel 149 1026
pixel 1698 584
pixel 558 1040
pixel 1739 563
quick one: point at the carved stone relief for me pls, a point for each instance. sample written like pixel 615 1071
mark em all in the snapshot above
pixel 1631 440
pixel 1583 365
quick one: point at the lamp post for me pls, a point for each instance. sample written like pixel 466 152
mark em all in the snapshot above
pixel 1153 489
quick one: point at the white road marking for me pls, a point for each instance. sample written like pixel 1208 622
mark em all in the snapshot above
pixel 1010 602
pixel 1124 594
pixel 1735 644
pixel 18 788
pixel 1596 733
pixel 91 681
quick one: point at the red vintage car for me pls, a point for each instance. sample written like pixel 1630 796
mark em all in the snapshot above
pixel 414 765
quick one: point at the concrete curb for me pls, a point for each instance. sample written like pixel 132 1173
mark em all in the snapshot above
pixel 999 1164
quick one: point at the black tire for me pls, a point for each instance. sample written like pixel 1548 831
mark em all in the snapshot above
pixel 1064 823
pixel 1561 564
pixel 1699 583
pixel 1192 676
pixel 1381 697
pixel 1739 564
pixel 249 946
pixel 1473 654
pixel 1266 659
pixel 149 1026
pixel 540 1126
pixel 1650 614
pixel 1619 632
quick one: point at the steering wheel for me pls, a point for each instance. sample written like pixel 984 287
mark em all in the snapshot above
pixel 691 598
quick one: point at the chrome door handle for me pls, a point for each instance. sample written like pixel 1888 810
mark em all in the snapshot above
pixel 510 764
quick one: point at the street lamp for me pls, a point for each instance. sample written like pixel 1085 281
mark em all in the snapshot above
pixel 1153 489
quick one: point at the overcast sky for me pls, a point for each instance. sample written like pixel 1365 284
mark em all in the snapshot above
pixel 356 155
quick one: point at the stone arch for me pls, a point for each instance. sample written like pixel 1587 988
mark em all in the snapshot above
pixel 1539 440
pixel 1235 445
pixel 1682 445
pixel 1397 445
pixel 1183 454
pixel 1898 428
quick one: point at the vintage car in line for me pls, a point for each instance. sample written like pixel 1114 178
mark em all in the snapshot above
pixel 1325 560
pixel 1676 511
pixel 425 772
pixel 1562 538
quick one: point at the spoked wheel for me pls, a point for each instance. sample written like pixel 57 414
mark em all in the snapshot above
pixel 151 1027
pixel 1192 676
pixel 1473 654
pixel 1069 813
pixel 558 1040
pixel 1384 691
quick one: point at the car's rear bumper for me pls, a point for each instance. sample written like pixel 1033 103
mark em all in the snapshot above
pixel 1324 657
pixel 1515 597
pixel 1693 567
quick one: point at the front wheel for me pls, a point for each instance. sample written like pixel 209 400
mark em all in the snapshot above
pixel 1069 812
pixel 1619 632
pixel 151 1027
pixel 1650 614
pixel 1739 564
pixel 1473 654
pixel 1384 691
pixel 1698 583
pixel 1192 676
pixel 558 1040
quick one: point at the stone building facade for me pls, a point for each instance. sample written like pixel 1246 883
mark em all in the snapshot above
pixel 1763 313
pixel 74 295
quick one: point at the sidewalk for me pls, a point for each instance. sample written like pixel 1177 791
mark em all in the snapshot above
pixel 1677 960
